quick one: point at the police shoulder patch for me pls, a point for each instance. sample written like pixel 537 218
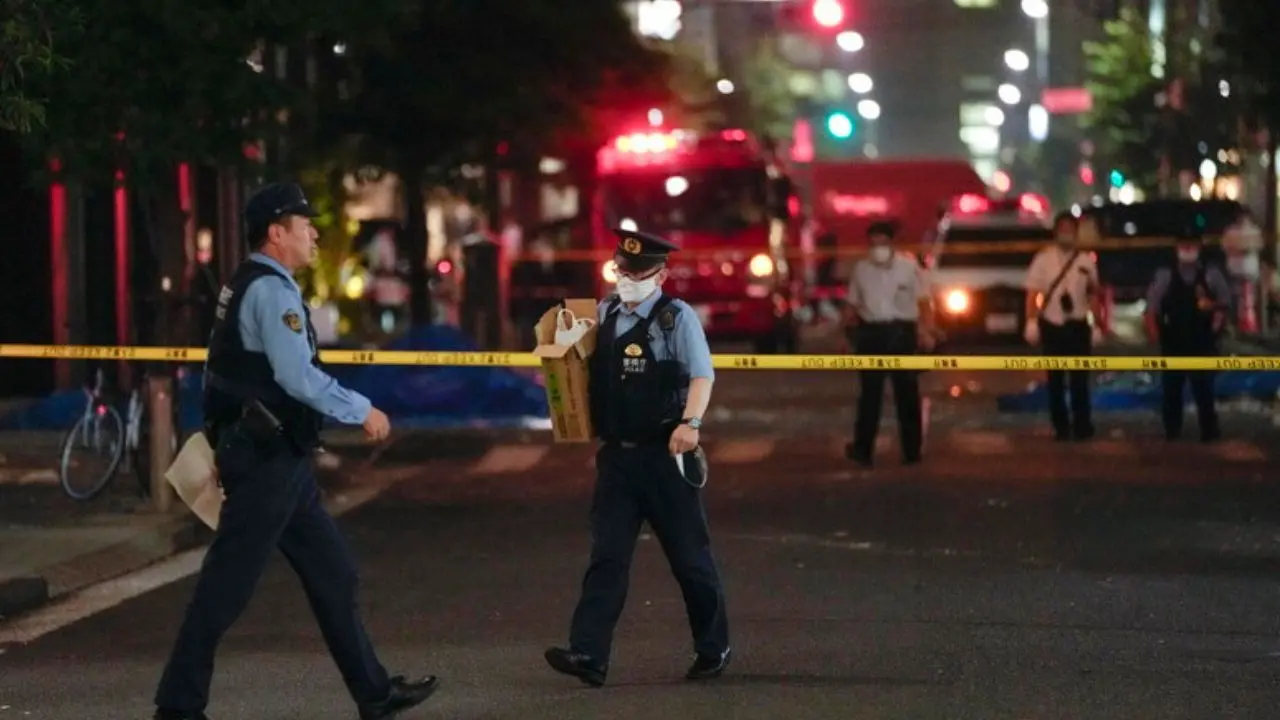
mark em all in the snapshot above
pixel 293 321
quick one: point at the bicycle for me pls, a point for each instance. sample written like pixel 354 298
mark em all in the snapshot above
pixel 107 436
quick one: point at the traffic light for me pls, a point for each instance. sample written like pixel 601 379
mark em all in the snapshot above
pixel 840 125
pixel 828 14
pixel 1086 174
pixel 1117 179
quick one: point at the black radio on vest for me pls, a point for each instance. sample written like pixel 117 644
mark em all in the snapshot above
pixel 634 396
pixel 236 379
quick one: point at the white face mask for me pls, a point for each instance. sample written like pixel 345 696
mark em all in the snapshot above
pixel 882 253
pixel 634 291
pixel 1188 257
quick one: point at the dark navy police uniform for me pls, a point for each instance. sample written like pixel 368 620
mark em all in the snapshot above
pixel 265 398
pixel 1186 299
pixel 639 380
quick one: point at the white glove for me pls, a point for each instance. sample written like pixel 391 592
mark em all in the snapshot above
pixel 1032 332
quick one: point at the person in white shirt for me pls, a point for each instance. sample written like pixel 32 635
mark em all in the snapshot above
pixel 1062 290
pixel 891 312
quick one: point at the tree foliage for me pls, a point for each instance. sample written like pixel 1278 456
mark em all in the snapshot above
pixel 1124 113
pixel 31 35
pixel 771 105
pixel 1250 59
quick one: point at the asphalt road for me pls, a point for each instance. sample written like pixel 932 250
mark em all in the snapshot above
pixel 1007 577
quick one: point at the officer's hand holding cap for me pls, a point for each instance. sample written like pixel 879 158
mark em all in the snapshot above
pixel 638 252
pixel 275 201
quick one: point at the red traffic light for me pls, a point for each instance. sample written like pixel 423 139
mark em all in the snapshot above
pixel 828 13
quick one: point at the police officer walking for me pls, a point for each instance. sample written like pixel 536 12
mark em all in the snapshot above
pixel 650 383
pixel 265 398
pixel 1186 310
pixel 890 308
pixel 1062 289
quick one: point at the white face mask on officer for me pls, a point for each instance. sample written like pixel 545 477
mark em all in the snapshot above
pixel 634 291
pixel 1188 255
pixel 881 254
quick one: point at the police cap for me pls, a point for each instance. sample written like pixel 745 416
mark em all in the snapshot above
pixel 273 202
pixel 640 251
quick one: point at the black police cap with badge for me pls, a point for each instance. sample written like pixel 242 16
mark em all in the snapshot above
pixel 640 252
pixel 275 201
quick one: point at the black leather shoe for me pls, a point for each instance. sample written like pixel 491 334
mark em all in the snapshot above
pixel 579 665
pixel 404 695
pixel 162 714
pixel 708 667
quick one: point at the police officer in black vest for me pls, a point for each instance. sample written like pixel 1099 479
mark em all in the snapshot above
pixel 265 398
pixel 1186 310
pixel 650 383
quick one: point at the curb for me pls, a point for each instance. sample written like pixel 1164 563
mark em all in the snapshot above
pixel 167 538
pixel 21 595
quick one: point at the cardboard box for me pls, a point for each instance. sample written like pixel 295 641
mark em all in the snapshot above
pixel 564 369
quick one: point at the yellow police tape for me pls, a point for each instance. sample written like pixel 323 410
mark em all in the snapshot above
pixel 724 362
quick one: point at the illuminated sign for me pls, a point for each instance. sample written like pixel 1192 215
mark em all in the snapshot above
pixel 1066 101
pixel 858 205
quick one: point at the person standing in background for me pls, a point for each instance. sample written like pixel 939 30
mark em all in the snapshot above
pixel 1062 290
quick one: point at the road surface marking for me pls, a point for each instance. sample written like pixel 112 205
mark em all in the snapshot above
pixel 1238 451
pixel 742 452
pixel 1115 448
pixel 103 596
pixel 509 459
pixel 982 443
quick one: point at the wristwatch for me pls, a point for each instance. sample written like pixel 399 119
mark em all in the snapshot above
pixel 693 422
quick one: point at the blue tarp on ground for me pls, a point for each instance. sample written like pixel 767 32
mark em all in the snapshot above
pixel 418 397
pixel 1141 390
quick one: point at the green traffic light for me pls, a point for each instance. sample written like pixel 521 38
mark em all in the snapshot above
pixel 1117 178
pixel 840 125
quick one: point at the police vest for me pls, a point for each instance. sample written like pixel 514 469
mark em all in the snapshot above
pixel 235 376
pixel 635 397
pixel 1186 314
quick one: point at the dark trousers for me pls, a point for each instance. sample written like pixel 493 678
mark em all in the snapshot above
pixel 635 485
pixel 1172 382
pixel 892 338
pixel 272 501
pixel 1073 337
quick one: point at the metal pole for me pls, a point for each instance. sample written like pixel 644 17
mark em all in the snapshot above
pixel 160 406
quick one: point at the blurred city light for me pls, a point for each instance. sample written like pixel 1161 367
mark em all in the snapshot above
pixel 869 109
pixel 840 125
pixel 1009 94
pixel 850 41
pixel 828 13
pixel 1017 60
pixel 1036 9
pixel 861 83
pixel 725 86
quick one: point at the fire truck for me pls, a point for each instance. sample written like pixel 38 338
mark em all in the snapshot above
pixel 729 205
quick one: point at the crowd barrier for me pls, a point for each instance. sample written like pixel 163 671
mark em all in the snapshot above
pixel 996 363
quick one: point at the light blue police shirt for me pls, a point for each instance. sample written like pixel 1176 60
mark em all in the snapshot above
pixel 266 303
pixel 1213 277
pixel 691 349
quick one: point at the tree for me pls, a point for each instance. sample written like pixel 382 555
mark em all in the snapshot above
pixel 29 30
pixel 152 84
pixel 1124 113
pixel 491 83
pixel 766 81
pixel 1251 61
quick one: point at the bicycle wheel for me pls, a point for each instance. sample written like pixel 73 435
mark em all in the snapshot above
pixel 141 451
pixel 91 451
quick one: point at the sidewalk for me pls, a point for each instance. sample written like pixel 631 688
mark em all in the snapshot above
pixel 52 546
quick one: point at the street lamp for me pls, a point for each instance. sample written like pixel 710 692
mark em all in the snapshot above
pixel 850 41
pixel 1009 94
pixel 725 86
pixel 1017 60
pixel 1035 9
pixel 860 83
pixel 869 109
